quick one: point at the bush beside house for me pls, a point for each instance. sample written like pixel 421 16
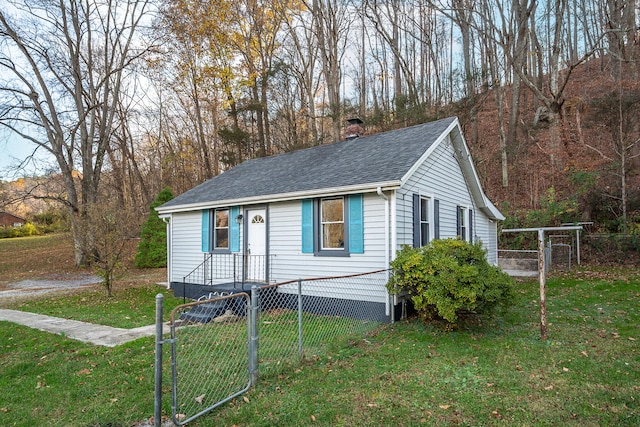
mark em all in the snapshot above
pixel 449 279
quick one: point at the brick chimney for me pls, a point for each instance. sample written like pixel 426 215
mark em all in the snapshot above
pixel 354 129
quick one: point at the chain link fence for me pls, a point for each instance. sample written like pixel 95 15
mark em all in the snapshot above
pixel 220 345
pixel 304 318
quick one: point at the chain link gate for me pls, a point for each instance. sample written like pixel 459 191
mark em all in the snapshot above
pixel 210 354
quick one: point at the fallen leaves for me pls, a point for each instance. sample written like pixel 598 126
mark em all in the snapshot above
pixel 200 398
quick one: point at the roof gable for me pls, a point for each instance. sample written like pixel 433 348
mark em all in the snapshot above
pixel 366 161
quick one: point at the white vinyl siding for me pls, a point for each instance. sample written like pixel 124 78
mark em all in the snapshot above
pixel 289 263
pixel 186 244
pixel 440 177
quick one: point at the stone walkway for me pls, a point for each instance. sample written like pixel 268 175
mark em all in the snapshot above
pixel 81 331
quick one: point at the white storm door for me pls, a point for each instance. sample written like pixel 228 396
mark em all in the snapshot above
pixel 256 260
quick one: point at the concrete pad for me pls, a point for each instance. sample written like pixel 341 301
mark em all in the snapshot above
pixel 521 273
pixel 107 336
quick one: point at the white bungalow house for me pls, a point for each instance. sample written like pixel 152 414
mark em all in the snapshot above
pixel 329 210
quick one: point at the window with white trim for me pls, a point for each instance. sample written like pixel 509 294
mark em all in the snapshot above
pixel 425 221
pixel 332 223
pixel 221 229
pixel 462 229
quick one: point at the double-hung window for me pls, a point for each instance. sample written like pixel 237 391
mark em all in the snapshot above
pixel 332 223
pixel 462 223
pixel 219 234
pixel 221 229
pixel 333 226
pixel 426 221
pixel 464 217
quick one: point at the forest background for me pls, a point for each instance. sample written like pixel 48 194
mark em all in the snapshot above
pixel 120 99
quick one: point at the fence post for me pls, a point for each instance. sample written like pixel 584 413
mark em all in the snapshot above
pixel 300 317
pixel 157 410
pixel 253 336
pixel 542 268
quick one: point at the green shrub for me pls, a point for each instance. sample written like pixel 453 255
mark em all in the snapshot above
pixel 52 221
pixel 24 230
pixel 152 249
pixel 29 229
pixel 448 279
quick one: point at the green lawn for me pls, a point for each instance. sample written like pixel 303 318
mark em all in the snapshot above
pixel 404 374
pixel 129 307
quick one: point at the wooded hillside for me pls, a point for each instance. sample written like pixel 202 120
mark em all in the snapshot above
pixel 598 157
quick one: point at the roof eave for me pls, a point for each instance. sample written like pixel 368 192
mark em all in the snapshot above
pixel 272 198
pixel 473 181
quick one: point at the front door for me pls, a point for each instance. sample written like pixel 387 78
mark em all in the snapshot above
pixel 256 259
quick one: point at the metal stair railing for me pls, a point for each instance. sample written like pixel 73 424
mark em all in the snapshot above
pixel 238 268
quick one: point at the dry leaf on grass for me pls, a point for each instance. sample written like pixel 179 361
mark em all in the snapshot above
pixel 200 398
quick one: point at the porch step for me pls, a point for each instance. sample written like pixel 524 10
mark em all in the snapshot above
pixel 204 313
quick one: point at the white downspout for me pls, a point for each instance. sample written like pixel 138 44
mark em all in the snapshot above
pixel 167 220
pixel 387 252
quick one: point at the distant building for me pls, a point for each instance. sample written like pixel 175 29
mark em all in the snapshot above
pixel 9 220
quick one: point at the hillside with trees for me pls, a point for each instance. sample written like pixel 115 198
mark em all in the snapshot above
pixel 166 94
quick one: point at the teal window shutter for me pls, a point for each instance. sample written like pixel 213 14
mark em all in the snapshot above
pixel 356 224
pixel 206 235
pixel 234 229
pixel 307 226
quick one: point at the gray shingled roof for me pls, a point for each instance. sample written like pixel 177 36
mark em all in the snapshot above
pixel 371 159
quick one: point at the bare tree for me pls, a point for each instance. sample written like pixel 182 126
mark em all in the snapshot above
pixel 115 228
pixel 63 65
pixel 331 21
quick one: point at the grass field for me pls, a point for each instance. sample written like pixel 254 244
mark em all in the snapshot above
pixel 36 256
pixel 404 374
